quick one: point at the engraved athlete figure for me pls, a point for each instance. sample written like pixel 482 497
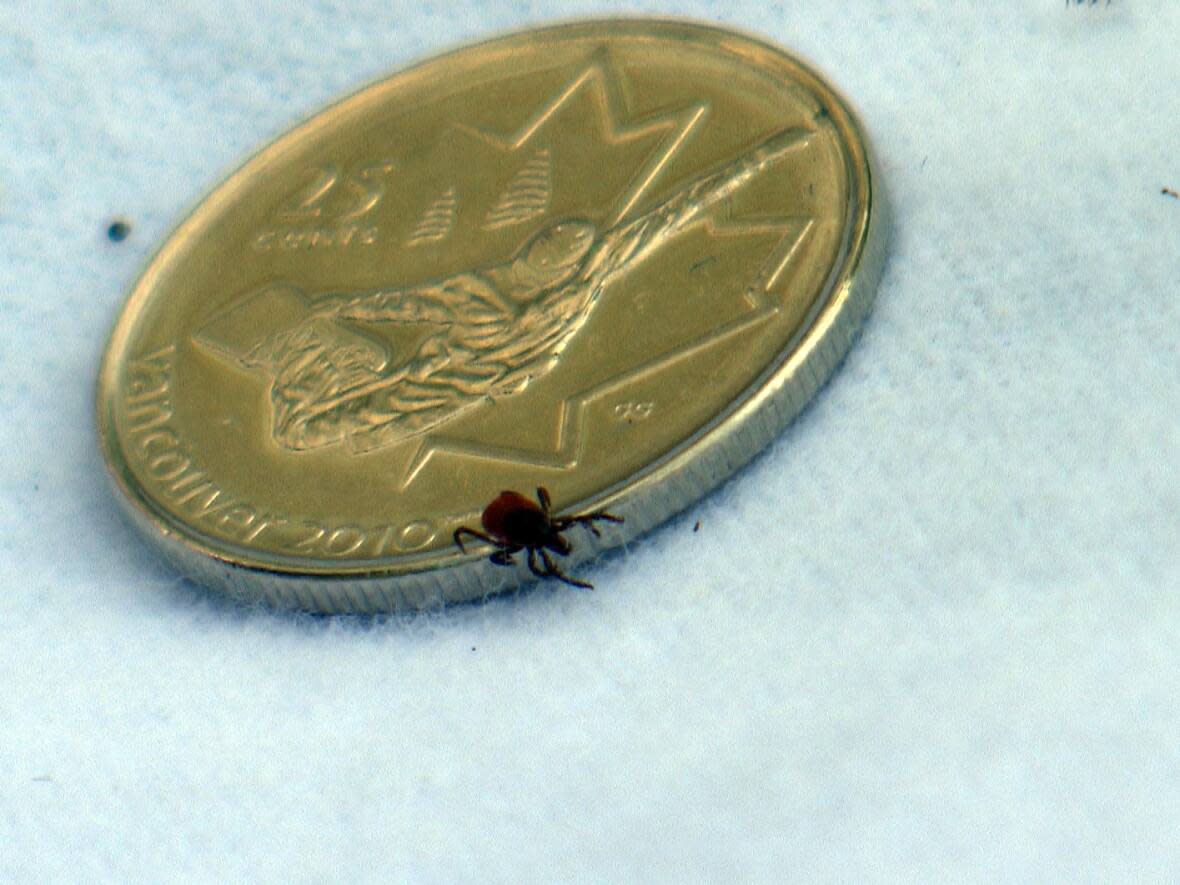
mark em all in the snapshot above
pixel 495 328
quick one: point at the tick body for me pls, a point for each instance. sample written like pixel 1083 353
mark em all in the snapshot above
pixel 513 523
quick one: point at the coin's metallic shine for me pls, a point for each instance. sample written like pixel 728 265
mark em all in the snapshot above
pixel 610 258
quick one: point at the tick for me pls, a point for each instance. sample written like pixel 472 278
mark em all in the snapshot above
pixel 513 523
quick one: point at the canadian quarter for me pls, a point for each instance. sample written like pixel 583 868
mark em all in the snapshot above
pixel 612 258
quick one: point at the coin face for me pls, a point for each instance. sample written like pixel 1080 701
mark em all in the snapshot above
pixel 612 259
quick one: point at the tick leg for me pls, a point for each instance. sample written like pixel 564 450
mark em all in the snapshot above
pixel 601 515
pixel 463 530
pixel 552 571
pixel 543 498
pixel 504 555
pixel 533 567
pixel 588 520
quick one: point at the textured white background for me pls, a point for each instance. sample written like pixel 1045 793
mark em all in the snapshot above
pixel 933 632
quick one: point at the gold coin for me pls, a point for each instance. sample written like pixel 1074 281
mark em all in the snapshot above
pixel 611 259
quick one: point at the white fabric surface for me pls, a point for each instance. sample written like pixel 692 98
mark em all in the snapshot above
pixel 932 633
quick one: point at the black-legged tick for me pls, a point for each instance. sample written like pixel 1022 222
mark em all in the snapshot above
pixel 513 523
